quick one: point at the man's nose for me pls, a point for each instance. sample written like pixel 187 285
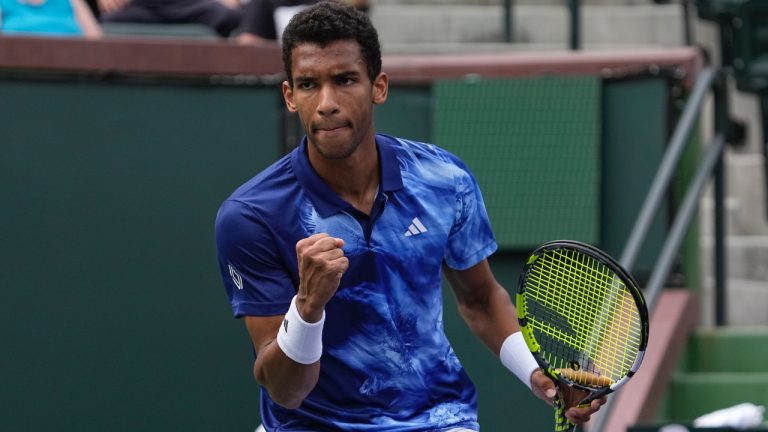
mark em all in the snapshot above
pixel 327 103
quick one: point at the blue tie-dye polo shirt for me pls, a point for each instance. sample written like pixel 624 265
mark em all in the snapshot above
pixel 387 364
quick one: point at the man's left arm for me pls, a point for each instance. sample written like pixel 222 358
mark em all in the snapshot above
pixel 488 311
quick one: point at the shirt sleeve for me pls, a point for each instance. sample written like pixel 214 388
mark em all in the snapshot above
pixel 471 238
pixel 255 276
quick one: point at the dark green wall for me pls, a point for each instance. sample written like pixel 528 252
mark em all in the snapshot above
pixel 636 127
pixel 406 113
pixel 533 144
pixel 113 314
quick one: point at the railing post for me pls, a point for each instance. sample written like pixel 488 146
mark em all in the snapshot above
pixel 722 125
pixel 687 35
pixel 575 24
pixel 720 293
pixel 508 28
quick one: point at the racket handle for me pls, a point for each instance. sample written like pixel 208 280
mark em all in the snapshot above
pixel 562 424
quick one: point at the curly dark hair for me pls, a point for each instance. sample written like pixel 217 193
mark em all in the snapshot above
pixel 330 21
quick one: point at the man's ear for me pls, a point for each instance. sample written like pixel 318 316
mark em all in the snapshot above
pixel 380 88
pixel 288 96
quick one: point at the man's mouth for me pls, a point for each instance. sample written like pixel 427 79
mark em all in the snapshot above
pixel 330 128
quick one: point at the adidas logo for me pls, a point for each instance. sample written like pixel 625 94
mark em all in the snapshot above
pixel 415 228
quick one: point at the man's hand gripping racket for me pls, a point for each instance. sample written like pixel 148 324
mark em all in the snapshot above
pixel 584 320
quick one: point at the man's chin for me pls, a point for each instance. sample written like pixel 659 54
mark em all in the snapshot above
pixel 334 151
pixel 335 155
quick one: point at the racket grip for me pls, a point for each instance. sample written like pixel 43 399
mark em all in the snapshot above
pixel 562 424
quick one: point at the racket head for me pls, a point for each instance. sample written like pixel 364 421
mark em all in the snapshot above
pixel 582 315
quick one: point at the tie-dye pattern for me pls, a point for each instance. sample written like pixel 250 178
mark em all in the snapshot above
pixel 387 364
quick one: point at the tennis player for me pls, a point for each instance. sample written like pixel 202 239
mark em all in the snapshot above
pixel 333 255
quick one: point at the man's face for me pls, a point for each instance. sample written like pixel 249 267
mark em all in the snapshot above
pixel 334 96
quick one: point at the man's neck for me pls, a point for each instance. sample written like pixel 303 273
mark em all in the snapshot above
pixel 355 179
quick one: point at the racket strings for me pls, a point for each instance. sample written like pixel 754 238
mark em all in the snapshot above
pixel 564 348
pixel 615 323
pixel 602 333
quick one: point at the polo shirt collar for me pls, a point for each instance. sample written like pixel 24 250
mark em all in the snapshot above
pixel 325 200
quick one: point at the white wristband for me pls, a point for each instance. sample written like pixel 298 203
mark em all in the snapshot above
pixel 301 341
pixel 516 357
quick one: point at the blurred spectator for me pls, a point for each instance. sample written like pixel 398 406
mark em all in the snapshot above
pixel 221 15
pixel 266 19
pixel 49 17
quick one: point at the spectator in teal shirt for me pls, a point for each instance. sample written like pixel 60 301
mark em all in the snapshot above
pixel 48 17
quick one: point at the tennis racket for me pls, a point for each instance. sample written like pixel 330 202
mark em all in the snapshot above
pixel 583 318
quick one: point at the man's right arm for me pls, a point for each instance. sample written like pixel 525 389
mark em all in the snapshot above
pixel 289 369
pixel 288 382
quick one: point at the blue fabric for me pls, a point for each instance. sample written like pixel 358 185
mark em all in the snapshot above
pixel 387 364
pixel 52 17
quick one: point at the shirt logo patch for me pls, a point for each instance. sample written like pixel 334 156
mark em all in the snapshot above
pixel 415 228
pixel 236 278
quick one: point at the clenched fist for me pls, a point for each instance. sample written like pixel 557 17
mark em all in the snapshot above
pixel 321 265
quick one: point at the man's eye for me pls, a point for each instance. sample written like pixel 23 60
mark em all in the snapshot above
pixel 306 85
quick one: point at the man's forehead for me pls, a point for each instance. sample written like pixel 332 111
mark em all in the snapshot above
pixel 336 58
pixel 349 46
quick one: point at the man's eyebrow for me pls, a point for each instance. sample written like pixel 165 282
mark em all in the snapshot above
pixel 346 73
